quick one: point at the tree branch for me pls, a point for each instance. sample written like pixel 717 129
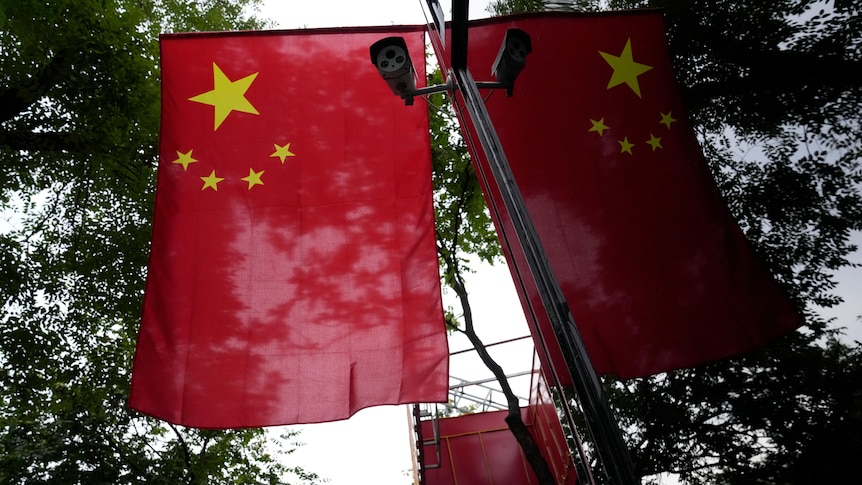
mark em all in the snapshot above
pixel 51 141
pixel 513 418
pixel 765 71
pixel 776 72
pixel 16 99
pixel 187 458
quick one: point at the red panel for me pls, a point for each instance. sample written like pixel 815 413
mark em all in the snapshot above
pixel 469 464
pixel 505 460
pixel 476 449
pixel 547 430
pixel 479 449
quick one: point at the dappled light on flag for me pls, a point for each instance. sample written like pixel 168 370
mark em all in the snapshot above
pixel 293 275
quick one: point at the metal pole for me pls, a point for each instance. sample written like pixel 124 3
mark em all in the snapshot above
pixel 609 442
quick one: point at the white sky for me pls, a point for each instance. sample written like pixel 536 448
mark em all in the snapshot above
pixel 298 14
pixel 373 446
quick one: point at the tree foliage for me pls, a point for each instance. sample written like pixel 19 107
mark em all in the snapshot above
pixel 771 91
pixel 462 221
pixel 79 114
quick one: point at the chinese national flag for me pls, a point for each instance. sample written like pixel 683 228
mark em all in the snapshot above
pixel 293 276
pixel 655 270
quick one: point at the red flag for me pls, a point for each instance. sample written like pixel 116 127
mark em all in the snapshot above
pixel 293 275
pixel 656 272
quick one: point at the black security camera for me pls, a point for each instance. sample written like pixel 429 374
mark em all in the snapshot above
pixel 511 58
pixel 392 61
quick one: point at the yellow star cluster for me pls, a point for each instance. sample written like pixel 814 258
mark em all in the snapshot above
pixel 211 181
pixel 626 71
pixel 627 146
pixel 226 97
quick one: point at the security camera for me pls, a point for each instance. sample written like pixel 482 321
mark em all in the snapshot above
pixel 392 61
pixel 511 58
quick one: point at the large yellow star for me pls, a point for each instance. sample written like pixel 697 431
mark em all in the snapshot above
pixel 282 152
pixel 626 70
pixel 253 178
pixel 184 159
pixel 211 181
pixel 227 96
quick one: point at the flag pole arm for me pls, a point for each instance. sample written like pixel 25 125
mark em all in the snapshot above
pixel 610 446
pixel 609 442
pixel 408 94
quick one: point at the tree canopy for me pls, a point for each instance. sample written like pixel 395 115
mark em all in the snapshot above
pixel 79 115
pixel 770 86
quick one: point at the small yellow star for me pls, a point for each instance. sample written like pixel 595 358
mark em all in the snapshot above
pixel 598 126
pixel 625 146
pixel 282 152
pixel 626 70
pixel 211 181
pixel 654 142
pixel 253 178
pixel 227 96
pixel 184 159
pixel 666 119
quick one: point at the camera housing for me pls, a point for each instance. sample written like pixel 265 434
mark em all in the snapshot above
pixel 511 58
pixel 392 60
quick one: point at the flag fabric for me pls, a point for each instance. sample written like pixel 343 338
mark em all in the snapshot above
pixel 293 273
pixel 654 268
